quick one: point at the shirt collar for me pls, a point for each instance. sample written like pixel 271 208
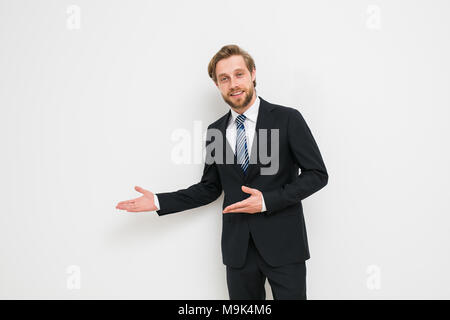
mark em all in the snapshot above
pixel 250 114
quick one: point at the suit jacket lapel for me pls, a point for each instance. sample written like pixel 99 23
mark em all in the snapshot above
pixel 263 122
pixel 229 157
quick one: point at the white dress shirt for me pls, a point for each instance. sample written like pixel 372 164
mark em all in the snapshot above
pixel 251 115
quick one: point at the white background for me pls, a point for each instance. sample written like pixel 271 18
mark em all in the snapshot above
pixel 88 113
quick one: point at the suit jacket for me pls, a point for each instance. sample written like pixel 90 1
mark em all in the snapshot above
pixel 279 233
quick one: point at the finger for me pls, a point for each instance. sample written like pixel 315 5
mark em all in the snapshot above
pixel 248 190
pixel 125 204
pixel 236 205
pixel 127 201
pixel 245 209
pixel 121 204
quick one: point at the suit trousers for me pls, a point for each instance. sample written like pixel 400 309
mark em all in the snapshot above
pixel 288 282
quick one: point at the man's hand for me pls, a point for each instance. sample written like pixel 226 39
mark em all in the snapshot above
pixel 252 204
pixel 144 203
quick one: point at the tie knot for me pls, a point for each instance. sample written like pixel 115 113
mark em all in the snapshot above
pixel 240 119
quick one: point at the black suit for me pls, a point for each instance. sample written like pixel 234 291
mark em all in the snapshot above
pixel 278 233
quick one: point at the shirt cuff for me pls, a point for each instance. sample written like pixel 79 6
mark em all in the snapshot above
pixel 156 202
pixel 263 204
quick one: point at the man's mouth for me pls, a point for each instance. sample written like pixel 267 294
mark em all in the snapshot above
pixel 237 94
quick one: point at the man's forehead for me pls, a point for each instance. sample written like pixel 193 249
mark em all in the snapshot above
pixel 230 64
pixel 234 70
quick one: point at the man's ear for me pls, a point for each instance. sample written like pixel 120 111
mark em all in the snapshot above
pixel 254 74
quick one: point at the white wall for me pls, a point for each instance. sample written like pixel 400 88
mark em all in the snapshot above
pixel 88 113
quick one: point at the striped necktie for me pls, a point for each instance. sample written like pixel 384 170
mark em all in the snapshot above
pixel 241 143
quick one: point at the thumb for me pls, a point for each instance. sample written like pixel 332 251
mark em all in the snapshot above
pixel 247 189
pixel 139 189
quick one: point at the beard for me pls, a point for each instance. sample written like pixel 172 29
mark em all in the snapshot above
pixel 242 102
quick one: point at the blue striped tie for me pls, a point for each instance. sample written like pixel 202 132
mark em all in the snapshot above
pixel 241 143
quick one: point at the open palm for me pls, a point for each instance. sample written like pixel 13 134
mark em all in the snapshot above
pixel 144 203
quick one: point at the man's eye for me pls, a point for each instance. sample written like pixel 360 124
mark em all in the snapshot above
pixel 223 79
pixel 239 74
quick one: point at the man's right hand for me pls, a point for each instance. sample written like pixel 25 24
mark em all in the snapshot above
pixel 144 203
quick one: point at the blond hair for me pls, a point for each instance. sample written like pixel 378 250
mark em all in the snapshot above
pixel 226 52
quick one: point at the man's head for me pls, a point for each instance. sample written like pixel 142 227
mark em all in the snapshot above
pixel 233 70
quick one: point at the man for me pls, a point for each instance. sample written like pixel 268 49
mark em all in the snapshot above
pixel 263 233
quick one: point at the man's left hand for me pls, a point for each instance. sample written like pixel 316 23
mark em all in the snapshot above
pixel 252 204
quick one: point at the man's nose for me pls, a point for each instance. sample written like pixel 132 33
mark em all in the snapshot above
pixel 234 82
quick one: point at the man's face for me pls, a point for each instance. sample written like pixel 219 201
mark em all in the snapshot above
pixel 233 78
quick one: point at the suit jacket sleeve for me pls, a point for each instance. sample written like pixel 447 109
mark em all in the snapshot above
pixel 306 154
pixel 206 191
